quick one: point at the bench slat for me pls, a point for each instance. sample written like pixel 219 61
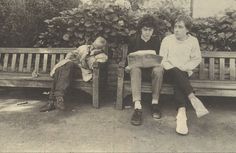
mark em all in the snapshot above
pixel 222 68
pixel 202 66
pixel 212 69
pixel 61 56
pixel 5 62
pixel 219 54
pixel 36 50
pixel 232 68
pixel 29 62
pixel 53 60
pixel 37 60
pixel 21 64
pixel 45 62
pixel 13 62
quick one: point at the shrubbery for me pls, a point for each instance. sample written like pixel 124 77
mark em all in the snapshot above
pixel 22 21
pixel 217 34
pixel 74 27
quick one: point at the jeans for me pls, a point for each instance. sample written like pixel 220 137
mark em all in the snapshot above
pixel 182 86
pixel 136 79
pixel 62 80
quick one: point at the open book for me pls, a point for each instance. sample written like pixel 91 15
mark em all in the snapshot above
pixel 144 59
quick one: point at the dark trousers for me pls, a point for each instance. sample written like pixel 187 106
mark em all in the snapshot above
pixel 182 86
pixel 62 80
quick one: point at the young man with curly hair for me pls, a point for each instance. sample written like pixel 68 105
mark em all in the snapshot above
pixel 144 41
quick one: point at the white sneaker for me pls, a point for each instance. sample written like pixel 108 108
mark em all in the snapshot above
pixel 181 124
pixel 200 109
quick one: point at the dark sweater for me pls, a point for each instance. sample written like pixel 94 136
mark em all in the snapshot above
pixel 136 43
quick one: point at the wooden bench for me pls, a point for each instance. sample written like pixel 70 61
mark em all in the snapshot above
pixel 17 65
pixel 215 76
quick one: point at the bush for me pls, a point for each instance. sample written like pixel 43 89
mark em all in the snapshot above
pixel 22 21
pixel 217 34
pixel 82 25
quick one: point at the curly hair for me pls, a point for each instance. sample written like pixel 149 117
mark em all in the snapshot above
pixel 147 21
pixel 187 20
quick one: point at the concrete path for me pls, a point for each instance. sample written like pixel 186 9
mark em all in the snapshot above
pixel 84 129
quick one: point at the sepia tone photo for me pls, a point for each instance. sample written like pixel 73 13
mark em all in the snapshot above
pixel 117 76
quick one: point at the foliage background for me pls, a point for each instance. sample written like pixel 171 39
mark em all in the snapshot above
pixel 70 23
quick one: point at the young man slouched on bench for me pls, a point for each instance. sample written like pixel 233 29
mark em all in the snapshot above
pixel 181 54
pixel 145 43
pixel 63 72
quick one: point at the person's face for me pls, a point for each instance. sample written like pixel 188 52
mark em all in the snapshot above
pixel 180 30
pixel 147 32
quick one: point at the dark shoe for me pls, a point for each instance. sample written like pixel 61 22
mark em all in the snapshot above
pixel 60 103
pixel 137 117
pixel 49 107
pixel 156 113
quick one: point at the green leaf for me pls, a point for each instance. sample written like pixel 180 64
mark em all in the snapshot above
pixel 66 37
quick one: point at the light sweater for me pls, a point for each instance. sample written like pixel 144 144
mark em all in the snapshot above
pixel 85 53
pixel 185 55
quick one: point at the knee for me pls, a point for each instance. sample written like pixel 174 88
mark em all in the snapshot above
pixel 157 71
pixel 69 64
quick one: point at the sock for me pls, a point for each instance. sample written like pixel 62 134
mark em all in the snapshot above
pixel 155 101
pixel 137 105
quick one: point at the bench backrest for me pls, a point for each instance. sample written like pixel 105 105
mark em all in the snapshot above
pixel 26 60
pixel 215 65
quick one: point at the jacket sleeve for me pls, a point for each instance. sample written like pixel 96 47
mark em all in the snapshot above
pixel 73 54
pixel 195 57
pixel 164 51
pixel 102 58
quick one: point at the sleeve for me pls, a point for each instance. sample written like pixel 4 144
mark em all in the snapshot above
pixel 164 51
pixel 102 58
pixel 157 45
pixel 73 54
pixel 131 45
pixel 195 57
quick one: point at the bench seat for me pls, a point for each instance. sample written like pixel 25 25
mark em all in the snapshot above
pixel 215 76
pixel 201 88
pixel 17 65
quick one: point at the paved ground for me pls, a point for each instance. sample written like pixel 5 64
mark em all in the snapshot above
pixel 85 129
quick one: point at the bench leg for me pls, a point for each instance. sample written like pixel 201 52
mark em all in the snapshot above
pixel 96 88
pixel 120 93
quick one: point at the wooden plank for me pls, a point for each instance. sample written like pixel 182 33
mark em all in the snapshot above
pixel 202 66
pixel 36 50
pixel 5 62
pixel 21 63
pixel 95 92
pixel 37 60
pixel 219 54
pixel 222 68
pixel 212 69
pixel 29 62
pixel 13 62
pixel 45 62
pixel 61 57
pixel 53 60
pixel 232 68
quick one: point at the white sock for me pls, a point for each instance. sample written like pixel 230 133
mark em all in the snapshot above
pixel 137 105
pixel 155 101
